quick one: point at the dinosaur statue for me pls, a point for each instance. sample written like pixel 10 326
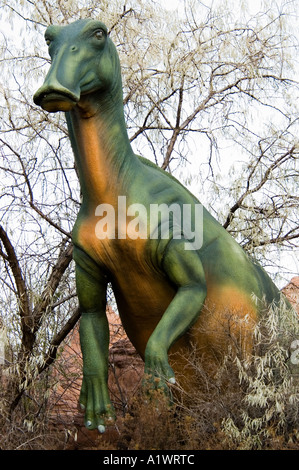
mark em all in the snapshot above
pixel 171 294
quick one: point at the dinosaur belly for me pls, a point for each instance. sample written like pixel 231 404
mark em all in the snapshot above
pixel 142 300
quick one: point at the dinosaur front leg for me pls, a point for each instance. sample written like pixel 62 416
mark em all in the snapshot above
pixel 184 269
pixel 94 339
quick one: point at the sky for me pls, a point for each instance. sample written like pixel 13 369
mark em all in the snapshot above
pixel 252 6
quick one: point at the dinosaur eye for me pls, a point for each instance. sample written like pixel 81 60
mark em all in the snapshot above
pixel 99 34
pixel 48 42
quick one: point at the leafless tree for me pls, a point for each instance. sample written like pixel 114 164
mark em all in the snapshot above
pixel 209 94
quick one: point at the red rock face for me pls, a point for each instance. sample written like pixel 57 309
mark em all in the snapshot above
pixel 291 291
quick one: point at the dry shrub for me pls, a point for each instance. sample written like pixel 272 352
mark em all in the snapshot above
pixel 37 423
pixel 151 423
pixel 268 417
pixel 247 402
pixel 29 427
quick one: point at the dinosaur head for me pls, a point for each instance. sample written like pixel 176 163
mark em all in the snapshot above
pixel 83 61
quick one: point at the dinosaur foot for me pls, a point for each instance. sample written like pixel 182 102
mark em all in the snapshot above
pixel 158 375
pixel 95 402
pixel 157 368
pixel 103 418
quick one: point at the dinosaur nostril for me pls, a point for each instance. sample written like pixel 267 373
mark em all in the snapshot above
pixel 74 48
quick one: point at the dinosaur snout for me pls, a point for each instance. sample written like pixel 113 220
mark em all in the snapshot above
pixel 52 96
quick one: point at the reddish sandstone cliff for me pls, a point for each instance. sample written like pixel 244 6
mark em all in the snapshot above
pixel 291 291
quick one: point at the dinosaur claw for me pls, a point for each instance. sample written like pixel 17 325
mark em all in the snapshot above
pixel 101 428
pixel 171 380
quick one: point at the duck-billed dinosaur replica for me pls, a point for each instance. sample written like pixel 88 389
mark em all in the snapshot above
pixel 171 294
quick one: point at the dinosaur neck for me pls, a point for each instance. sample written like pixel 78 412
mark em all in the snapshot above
pixel 101 147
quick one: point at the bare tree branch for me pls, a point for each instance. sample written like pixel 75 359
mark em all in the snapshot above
pixel 25 311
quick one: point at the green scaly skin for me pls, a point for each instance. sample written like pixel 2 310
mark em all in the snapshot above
pixel 163 291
